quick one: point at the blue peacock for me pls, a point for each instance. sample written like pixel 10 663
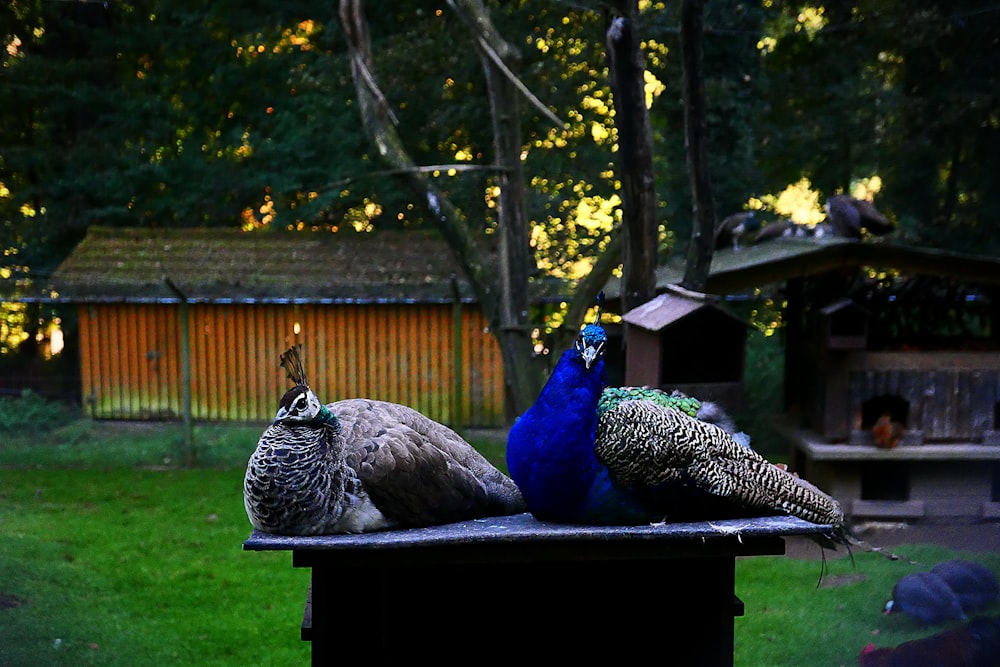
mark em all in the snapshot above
pixel 586 453
pixel 359 465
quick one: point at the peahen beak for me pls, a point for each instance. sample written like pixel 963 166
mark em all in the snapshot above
pixel 281 414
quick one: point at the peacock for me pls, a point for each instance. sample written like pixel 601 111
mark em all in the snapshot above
pixel 737 228
pixel 852 217
pixel 586 453
pixel 360 465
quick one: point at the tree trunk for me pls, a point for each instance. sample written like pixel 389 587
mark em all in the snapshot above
pixel 699 259
pixel 524 379
pixel 503 299
pixel 626 69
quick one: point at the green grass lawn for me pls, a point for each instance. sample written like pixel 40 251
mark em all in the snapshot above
pixel 111 555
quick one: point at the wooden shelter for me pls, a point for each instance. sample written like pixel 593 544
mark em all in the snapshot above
pixel 169 317
pixel 849 360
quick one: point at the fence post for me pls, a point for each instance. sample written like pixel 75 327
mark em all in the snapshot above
pixel 457 389
pixel 185 373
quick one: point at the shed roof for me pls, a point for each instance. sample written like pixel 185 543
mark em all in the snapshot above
pixel 233 266
pixel 788 258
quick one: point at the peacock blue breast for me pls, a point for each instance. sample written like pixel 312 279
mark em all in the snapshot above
pixel 550 452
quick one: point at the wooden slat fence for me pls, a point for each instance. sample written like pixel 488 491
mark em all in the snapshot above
pixel 131 368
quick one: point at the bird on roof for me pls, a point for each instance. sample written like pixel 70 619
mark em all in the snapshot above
pixel 851 217
pixel 587 453
pixel 926 597
pixel 775 229
pixel 360 465
pixel 736 229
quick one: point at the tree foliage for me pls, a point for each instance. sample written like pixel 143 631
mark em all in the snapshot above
pixel 183 113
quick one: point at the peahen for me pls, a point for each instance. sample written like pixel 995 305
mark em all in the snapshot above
pixel 585 453
pixel 360 465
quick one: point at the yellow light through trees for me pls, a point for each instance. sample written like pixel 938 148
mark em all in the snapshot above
pixel 491 196
pixel 249 219
pixel 798 201
pixel 599 133
pixel 557 242
pixel 866 188
pixel 767 45
pixel 13 321
pixel 14 47
pixel 653 88
pixel 361 217
pixel 811 20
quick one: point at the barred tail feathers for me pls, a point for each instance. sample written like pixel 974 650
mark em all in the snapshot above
pixel 641 442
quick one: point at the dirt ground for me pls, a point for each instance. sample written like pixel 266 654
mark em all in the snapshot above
pixel 977 537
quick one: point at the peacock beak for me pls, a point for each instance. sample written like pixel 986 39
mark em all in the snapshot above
pixel 589 355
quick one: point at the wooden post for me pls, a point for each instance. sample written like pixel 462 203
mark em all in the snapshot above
pixel 185 339
pixel 457 394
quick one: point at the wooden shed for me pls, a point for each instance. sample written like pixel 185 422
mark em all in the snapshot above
pixel 686 341
pixel 167 315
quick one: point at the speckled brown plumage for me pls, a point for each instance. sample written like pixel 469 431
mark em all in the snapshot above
pixel 359 465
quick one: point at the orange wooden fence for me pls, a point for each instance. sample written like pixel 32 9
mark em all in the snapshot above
pixel 131 359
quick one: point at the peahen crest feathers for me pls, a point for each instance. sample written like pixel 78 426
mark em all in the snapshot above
pixel 291 361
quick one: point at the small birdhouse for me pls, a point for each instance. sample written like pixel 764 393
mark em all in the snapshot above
pixel 844 325
pixel 687 341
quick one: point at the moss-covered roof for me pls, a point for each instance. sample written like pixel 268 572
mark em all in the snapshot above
pixel 223 265
pixel 783 259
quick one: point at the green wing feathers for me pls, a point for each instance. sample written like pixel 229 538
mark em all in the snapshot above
pixel 612 396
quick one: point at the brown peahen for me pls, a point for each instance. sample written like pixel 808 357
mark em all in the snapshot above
pixel 584 453
pixel 360 465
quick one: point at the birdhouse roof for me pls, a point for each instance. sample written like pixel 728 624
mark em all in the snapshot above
pixel 844 304
pixel 672 306
pixel 230 265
